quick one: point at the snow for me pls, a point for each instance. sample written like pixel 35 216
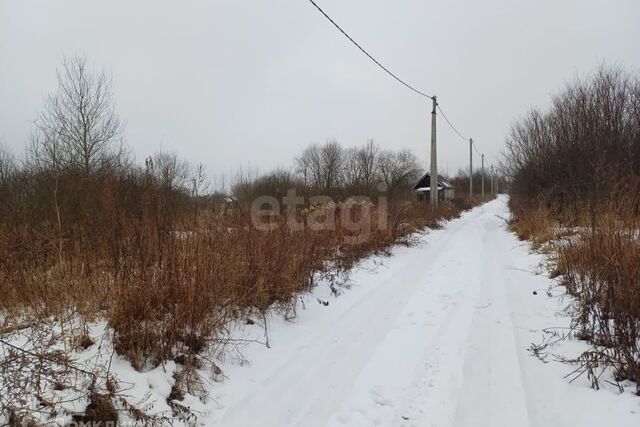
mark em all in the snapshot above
pixel 426 189
pixel 436 334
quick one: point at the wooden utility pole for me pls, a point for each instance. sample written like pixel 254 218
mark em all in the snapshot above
pixel 433 185
pixel 470 168
pixel 482 157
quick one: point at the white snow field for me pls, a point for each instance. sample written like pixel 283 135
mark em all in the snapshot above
pixel 435 336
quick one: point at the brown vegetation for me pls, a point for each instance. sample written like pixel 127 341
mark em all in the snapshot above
pixel 87 235
pixel 575 178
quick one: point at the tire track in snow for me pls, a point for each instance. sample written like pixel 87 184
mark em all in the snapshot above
pixel 324 368
pixel 437 337
pixel 493 389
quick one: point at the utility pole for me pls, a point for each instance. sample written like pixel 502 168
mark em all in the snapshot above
pixel 470 168
pixel 433 185
pixel 482 156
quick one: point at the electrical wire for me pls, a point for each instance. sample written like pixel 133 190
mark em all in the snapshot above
pixel 367 53
pixel 385 69
pixel 451 124
pixel 474 145
pixel 476 148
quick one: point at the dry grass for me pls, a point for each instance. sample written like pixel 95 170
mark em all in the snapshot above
pixel 601 268
pixel 167 275
pixel 599 264
pixel 533 222
pixel 168 288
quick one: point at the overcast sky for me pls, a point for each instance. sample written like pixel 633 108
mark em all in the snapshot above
pixel 234 83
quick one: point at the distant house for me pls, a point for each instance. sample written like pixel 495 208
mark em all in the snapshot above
pixel 227 204
pixel 423 189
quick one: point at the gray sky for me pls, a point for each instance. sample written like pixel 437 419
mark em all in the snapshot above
pixel 234 83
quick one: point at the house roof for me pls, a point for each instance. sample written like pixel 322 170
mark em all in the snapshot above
pixel 425 183
pixel 426 189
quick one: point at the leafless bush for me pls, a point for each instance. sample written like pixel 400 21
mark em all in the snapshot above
pixel 582 148
pixel 461 182
pixel 33 373
pixel 578 166
pixel 600 268
pixel 398 170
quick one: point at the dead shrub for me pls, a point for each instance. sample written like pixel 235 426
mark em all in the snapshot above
pixel 601 270
pixel 99 410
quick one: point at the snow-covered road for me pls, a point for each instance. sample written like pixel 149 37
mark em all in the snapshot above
pixel 436 336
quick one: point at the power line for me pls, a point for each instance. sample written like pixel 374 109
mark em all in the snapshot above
pixel 476 148
pixel 451 124
pixel 367 53
pixel 385 69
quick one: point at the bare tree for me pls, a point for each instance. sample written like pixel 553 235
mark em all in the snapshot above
pixel 309 165
pixel 170 171
pixel 330 167
pixel 350 168
pixel 331 160
pixel 368 163
pixel 321 165
pixel 360 167
pixel 199 179
pixel 398 170
pixel 302 166
pixel 45 152
pixel 79 127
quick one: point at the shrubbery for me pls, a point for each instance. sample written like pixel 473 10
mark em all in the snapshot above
pixel 575 170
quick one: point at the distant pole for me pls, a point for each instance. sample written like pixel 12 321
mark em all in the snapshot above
pixel 471 169
pixel 482 157
pixel 433 185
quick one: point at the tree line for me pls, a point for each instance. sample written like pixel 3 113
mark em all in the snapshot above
pixel 77 152
pixel 336 171
pixel 584 148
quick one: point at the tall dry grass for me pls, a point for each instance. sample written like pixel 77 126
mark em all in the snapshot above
pixel 168 284
pixel 167 276
pixel 600 267
pixel 597 260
